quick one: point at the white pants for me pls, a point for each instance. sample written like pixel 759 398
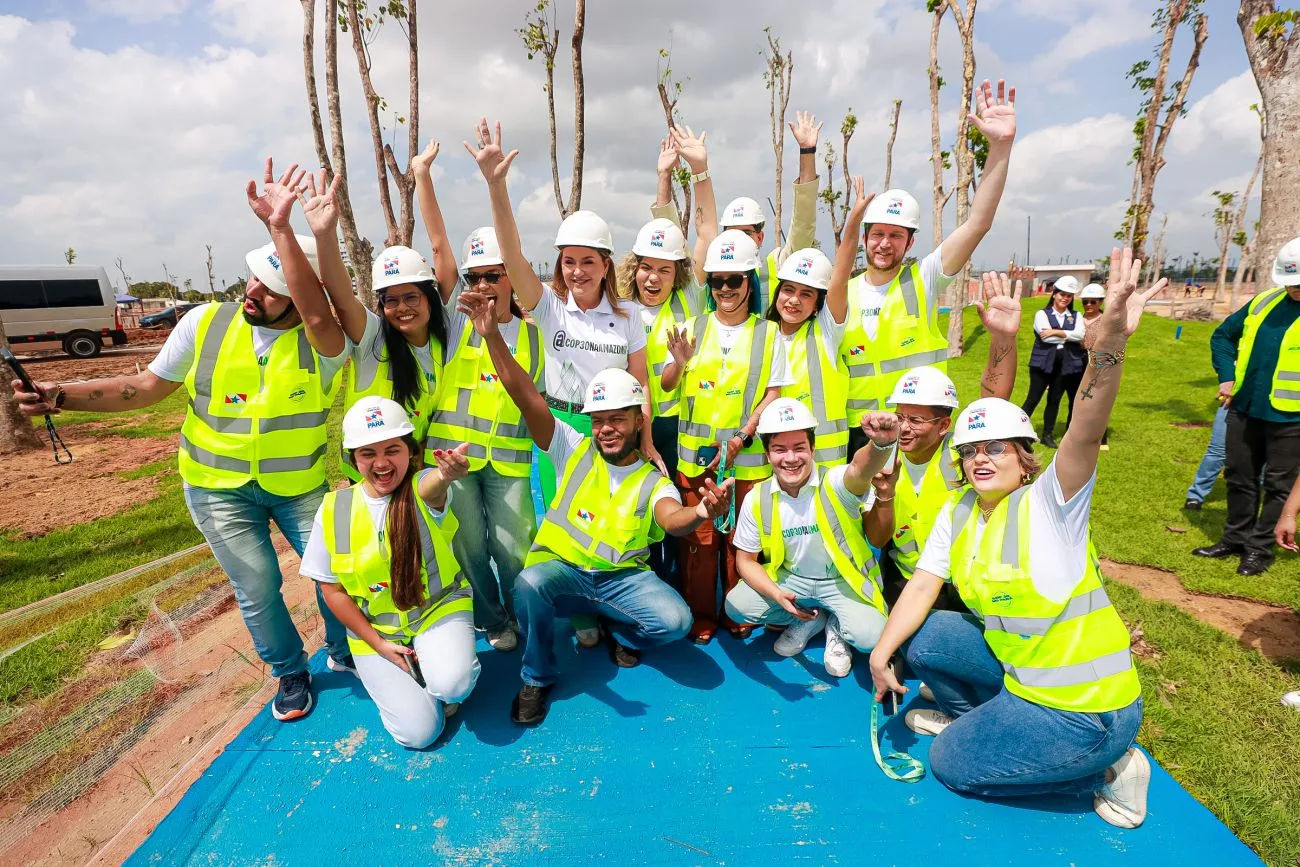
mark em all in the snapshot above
pixel 413 715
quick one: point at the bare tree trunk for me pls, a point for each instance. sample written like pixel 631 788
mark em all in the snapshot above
pixel 1273 49
pixel 889 148
pixel 126 281
pixel 16 431
pixel 405 180
pixel 212 274
pixel 965 161
pixel 670 119
pixel 579 106
pixel 362 53
pixel 936 149
pixel 1156 261
pixel 778 78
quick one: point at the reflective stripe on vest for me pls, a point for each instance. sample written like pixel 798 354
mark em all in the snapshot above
pixel 671 313
pixel 830 409
pixel 1284 395
pixel 916 509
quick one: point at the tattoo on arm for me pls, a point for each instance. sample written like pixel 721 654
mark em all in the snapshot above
pixel 95 394
pixel 986 385
pixel 1087 394
pixel 999 355
pixel 129 392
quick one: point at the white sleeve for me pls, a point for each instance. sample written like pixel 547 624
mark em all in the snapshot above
pixel 316 557
pixel 832 331
pixel 330 367
pixel 438 514
pixel 177 354
pixel 936 555
pixel 633 329
pixel 563 442
pixel 746 535
pixel 780 375
pixel 935 280
pixel 455 319
pixel 549 308
pixel 1040 323
pixel 835 478
pixel 1075 335
pixel 666 492
pixel 1061 544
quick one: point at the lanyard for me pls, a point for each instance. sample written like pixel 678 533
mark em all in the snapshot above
pixel 725 523
pixel 897 766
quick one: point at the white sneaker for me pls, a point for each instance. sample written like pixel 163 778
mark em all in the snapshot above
pixel 504 640
pixel 1292 699
pixel 588 637
pixel 839 656
pixel 798 634
pixel 926 693
pixel 927 722
pixel 1123 801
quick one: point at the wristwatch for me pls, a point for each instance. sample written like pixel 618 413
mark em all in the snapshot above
pixel 702 176
pixel 746 440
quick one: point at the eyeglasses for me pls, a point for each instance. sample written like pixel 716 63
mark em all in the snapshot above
pixel 410 299
pixel 992 448
pixel 733 281
pixel 491 278
pixel 913 421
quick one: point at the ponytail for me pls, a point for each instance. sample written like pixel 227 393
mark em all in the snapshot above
pixel 404 536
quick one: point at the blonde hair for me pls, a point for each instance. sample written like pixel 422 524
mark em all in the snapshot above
pixel 608 283
pixel 683 277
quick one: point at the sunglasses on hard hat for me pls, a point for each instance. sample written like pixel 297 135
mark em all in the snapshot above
pixel 731 281
pixel 992 448
pixel 491 278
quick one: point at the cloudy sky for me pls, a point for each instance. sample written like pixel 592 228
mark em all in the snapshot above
pixel 131 126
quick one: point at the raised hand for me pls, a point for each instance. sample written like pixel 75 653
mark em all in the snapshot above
pixel 882 427
pixel 714 498
pixel 1123 302
pixel 481 310
pixel 681 345
pixel 806 130
pixel 422 162
pixel 274 204
pixel 1000 309
pixel 1137 302
pixel 692 149
pixel 861 198
pixel 318 204
pixel 668 157
pixel 452 463
pixel 995 116
pixel 492 161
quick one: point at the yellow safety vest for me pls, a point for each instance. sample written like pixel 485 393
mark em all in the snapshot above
pixel 588 527
pixel 915 510
pixel 252 422
pixel 907 336
pixel 769 281
pixel 845 542
pixel 1071 655
pixel 821 384
pixel 472 405
pixel 1285 392
pixel 373 377
pixel 363 565
pixel 671 314
pixel 720 393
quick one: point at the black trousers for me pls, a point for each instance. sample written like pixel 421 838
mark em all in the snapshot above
pixel 1254 504
pixel 663 555
pixel 1055 384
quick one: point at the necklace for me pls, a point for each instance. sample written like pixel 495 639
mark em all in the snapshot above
pixel 986 513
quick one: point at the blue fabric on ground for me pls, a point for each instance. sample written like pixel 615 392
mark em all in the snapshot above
pixel 699 756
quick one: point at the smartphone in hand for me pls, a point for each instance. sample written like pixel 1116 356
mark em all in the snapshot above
pixel 890 704
pixel 18 370
pixel 413 662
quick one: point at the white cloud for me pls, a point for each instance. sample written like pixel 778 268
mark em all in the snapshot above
pixel 139 11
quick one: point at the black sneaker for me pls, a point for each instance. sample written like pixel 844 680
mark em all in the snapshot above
pixel 620 654
pixel 344 664
pixel 1192 505
pixel 293 701
pixel 530 706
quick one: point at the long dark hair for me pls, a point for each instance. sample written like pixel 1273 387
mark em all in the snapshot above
pixel 1052 297
pixel 408 379
pixel 711 305
pixel 404 536
pixel 772 315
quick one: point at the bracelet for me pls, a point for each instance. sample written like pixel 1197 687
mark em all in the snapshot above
pixel 702 176
pixel 878 447
pixel 811 150
pixel 880 499
pixel 1103 360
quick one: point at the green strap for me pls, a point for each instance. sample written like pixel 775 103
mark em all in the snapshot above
pixel 897 766
pixel 724 524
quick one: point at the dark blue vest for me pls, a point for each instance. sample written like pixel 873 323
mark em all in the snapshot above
pixel 1073 355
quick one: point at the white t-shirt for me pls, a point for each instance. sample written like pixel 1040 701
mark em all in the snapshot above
pixel 1058 545
pixel 694 301
pixel 580 344
pixel 1073 335
pixel 177 354
pixel 367 353
pixel 805 552
pixel 316 557
pixel 832 333
pixel 727 335
pixel 872 297
pixel 567 438
pixel 916 472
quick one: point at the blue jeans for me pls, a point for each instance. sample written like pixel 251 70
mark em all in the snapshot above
pixel 1001 745
pixel 642 610
pixel 1212 462
pixel 237 524
pixel 496 526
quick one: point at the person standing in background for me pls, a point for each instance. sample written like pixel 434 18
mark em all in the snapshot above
pixel 1057 360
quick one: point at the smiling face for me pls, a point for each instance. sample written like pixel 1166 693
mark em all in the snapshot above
pixel 583 269
pixel 654 280
pixel 383 465
pixel 730 290
pixel 617 433
pixel 887 245
pixel 1061 300
pixel 994 477
pixel 406 308
pixel 921 428
pixel 796 303
pixel 491 278
pixel 755 234
pixel 791 455
pixel 262 306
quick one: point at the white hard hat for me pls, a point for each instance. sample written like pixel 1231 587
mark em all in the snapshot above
pixel 584 229
pixel 742 212
pixel 785 414
pixel 992 418
pixel 894 208
pixel 1093 290
pixel 1286 267
pixel 1067 284
pixel 397 265
pixel 264 262
pixel 481 248
pixel 660 239
pixel 613 388
pixel 374 419
pixel 732 250
pixel 808 267
pixel 924 386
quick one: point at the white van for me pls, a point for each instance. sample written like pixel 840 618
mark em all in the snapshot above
pixel 69 305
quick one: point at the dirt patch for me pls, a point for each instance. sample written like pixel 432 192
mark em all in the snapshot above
pixel 1192 425
pixel 114 362
pixel 147 336
pixel 60 495
pixel 1273 630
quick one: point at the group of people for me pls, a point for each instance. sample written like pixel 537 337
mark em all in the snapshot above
pixel 772 424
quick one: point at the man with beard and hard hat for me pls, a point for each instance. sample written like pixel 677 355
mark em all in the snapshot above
pixel 591 555
pixel 893 306
pixel 261 376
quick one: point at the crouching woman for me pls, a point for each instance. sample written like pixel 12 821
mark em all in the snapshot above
pixel 381 552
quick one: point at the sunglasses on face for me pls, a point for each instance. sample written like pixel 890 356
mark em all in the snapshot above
pixel 733 281
pixel 410 299
pixel 992 448
pixel 491 278
pixel 1087 301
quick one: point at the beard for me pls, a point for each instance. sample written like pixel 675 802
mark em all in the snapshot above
pixel 261 318
pixel 629 446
